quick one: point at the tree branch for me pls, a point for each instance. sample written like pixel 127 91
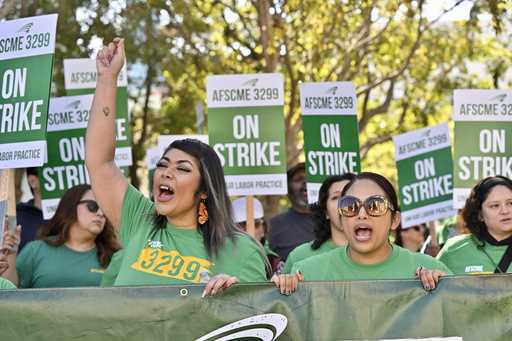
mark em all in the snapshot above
pixel 6 8
pixel 419 33
pixel 368 114
pixel 365 148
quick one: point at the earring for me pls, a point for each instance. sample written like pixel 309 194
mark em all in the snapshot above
pixel 203 213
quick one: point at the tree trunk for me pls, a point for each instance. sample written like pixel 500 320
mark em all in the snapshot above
pixel 270 202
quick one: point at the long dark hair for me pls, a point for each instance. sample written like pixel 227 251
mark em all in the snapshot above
pixel 382 182
pixel 56 231
pixel 322 228
pixel 220 224
pixel 472 211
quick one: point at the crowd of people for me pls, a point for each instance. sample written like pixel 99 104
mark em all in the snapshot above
pixel 110 234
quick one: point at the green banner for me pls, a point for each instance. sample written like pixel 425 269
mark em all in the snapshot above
pixel 26 60
pixel 246 129
pixel 483 138
pixel 461 308
pixel 425 174
pixel 331 133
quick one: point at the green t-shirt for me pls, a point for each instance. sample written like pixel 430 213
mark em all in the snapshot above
pixel 177 256
pixel 304 251
pixel 268 251
pixel 109 276
pixel 40 265
pixel 336 265
pixel 462 256
pixel 447 230
pixel 6 284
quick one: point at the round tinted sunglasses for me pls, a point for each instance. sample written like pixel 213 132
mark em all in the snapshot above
pixel 258 221
pixel 375 206
pixel 92 205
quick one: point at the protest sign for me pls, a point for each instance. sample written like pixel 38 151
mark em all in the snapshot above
pixel 483 138
pixel 152 157
pixel 27 47
pixel 65 167
pixel 165 140
pixel 80 79
pixel 246 129
pixel 331 136
pixel 425 174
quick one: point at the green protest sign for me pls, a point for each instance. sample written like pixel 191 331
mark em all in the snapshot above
pixel 153 155
pixel 80 79
pixel 331 134
pixel 165 140
pixel 65 167
pixel 483 138
pixel 246 129
pixel 469 308
pixel 26 60
pixel 425 174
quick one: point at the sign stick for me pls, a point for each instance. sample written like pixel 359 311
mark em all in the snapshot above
pixel 250 216
pixel 7 201
pixel 432 232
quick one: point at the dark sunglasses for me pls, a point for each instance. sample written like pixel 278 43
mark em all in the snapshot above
pixel 375 206
pixel 416 228
pixel 92 205
pixel 256 222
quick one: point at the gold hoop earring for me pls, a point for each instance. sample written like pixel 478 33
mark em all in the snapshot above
pixel 203 212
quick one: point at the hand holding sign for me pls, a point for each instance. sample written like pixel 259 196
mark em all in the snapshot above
pixel 11 240
pixel 110 59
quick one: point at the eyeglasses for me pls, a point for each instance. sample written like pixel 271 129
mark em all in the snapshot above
pixel 92 205
pixel 416 228
pixel 256 222
pixel 375 206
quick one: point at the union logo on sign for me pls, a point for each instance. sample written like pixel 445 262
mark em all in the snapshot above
pixel 26 28
pixel 251 82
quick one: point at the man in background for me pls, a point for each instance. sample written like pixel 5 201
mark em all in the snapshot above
pixel 295 226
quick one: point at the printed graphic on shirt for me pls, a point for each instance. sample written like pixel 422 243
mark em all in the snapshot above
pixel 476 270
pixel 97 270
pixel 171 264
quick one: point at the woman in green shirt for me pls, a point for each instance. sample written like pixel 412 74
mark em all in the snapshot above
pixel 187 235
pixel 328 230
pixel 488 215
pixel 73 249
pixel 369 212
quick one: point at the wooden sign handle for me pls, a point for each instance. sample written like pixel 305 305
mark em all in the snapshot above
pixel 8 194
pixel 249 224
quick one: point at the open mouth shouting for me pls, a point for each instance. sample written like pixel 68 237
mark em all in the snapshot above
pixel 165 193
pixel 362 233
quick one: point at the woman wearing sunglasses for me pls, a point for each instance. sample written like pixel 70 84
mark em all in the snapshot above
pixel 369 212
pixel 75 246
pixel 412 238
pixel 187 235
pixel 328 230
pixel 488 215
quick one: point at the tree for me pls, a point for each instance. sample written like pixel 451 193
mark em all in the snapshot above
pixel 403 64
